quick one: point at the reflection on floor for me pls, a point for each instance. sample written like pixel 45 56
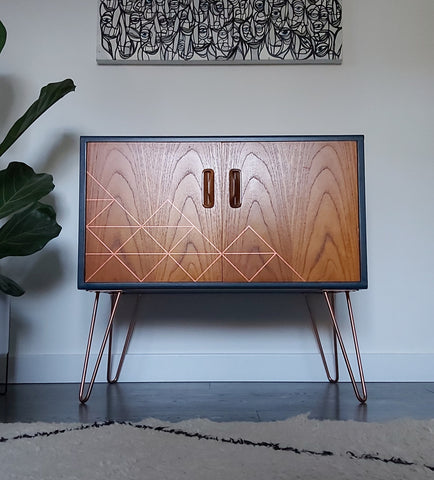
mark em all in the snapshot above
pixel 220 402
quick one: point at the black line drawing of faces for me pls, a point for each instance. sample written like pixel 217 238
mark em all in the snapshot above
pixel 249 30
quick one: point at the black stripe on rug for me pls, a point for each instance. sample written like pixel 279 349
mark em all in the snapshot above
pixel 230 440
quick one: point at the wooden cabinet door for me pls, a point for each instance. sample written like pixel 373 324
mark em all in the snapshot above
pixel 145 219
pixel 298 219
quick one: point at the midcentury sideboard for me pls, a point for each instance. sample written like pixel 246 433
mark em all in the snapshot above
pixel 271 213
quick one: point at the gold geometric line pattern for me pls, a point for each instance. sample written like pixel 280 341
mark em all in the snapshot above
pixel 160 208
pixel 112 198
pixel 271 249
pixel 218 256
pixel 180 240
pixel 102 211
pixel 249 279
pixel 169 252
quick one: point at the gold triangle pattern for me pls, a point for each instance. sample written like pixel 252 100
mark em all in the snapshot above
pixel 166 242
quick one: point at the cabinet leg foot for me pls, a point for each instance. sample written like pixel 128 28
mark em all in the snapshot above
pixel 361 396
pixel 361 393
pixel 84 396
pixel 130 331
pixel 331 379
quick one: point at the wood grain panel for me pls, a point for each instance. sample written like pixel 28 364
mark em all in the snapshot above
pixel 297 220
pixel 301 199
pixel 327 195
pixel 155 187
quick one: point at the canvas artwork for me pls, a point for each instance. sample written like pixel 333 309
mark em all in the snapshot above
pixel 219 31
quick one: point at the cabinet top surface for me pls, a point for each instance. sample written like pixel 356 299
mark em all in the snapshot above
pixel 224 138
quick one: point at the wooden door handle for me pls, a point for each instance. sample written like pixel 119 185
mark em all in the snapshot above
pixel 208 188
pixel 235 188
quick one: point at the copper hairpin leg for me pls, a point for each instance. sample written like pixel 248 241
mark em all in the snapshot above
pixel 331 379
pixel 115 296
pixel 124 350
pixel 361 396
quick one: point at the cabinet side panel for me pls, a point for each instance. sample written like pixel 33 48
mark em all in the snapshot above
pixel 331 233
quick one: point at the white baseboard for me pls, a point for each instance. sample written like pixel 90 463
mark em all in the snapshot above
pixel 222 367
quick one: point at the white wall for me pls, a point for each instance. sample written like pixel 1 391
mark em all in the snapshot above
pixel 383 89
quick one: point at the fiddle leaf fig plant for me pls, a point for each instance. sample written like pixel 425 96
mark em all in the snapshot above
pixel 2 36
pixel 28 224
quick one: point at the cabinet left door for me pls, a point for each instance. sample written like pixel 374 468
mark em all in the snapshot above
pixel 145 219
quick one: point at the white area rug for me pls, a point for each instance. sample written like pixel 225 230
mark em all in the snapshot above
pixel 297 448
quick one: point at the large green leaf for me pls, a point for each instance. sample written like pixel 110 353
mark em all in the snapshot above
pixel 2 36
pixel 28 231
pixel 49 95
pixel 20 186
pixel 9 287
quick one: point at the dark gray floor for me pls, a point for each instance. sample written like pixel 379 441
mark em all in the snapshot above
pixel 216 401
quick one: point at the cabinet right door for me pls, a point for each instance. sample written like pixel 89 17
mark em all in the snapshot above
pixel 290 212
